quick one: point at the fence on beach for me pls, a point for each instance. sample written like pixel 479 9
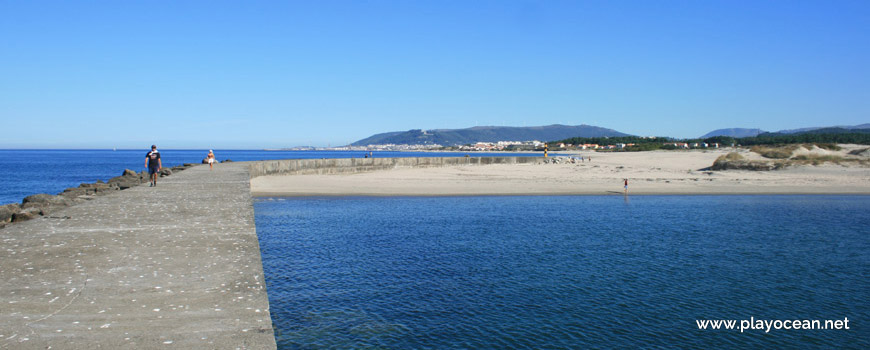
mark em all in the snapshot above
pixel 356 165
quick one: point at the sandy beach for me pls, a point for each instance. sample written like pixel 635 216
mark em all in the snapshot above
pixel 658 172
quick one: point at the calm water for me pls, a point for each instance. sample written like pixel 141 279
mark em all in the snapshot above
pixel 564 272
pixel 27 172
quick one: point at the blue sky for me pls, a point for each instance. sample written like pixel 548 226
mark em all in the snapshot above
pixel 253 74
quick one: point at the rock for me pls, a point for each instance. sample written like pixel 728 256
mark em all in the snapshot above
pixel 129 179
pixel 227 161
pixel 165 172
pixel 98 188
pixel 6 212
pixel 75 192
pixel 105 191
pixel 37 198
pixel 25 215
pixel 43 200
pixel 129 176
pixel 188 165
pixel 205 161
pixel 99 184
pixel 116 180
pixel 127 184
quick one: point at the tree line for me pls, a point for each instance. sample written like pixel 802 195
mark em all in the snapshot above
pixel 828 135
pixel 857 136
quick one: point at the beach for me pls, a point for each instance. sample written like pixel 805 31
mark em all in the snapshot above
pixel 648 173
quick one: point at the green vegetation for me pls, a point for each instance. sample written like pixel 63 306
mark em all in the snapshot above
pixel 722 140
pixel 782 152
pixel 786 151
pixel 770 145
pixel 735 161
pixel 611 140
pixel 731 156
pixel 722 162
pixel 827 146
pixel 816 160
pixel 516 148
pixel 858 136
pixel 821 159
pixel 645 147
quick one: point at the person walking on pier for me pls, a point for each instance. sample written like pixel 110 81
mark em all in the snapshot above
pixel 153 163
pixel 210 158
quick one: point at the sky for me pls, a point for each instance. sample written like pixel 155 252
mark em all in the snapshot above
pixel 271 74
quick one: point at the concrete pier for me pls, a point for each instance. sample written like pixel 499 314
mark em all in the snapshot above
pixel 173 266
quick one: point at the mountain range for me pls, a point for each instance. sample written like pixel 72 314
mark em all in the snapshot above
pixel 453 137
pixel 743 132
pixel 734 132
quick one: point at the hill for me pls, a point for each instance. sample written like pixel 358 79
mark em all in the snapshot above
pixel 744 132
pixel 734 132
pixel 810 135
pixel 452 137
pixel 829 128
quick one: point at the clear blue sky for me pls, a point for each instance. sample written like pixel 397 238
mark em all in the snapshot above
pixel 249 74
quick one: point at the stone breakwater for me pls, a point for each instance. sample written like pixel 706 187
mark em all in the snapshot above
pixel 44 204
pixel 175 266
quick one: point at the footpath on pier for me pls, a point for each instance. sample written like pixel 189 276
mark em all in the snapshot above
pixel 172 266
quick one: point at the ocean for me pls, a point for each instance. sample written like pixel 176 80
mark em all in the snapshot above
pixel 27 172
pixel 564 272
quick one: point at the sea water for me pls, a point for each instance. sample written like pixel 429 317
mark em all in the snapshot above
pixel 564 272
pixel 27 172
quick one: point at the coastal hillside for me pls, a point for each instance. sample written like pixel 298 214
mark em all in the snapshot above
pixel 827 129
pixel 744 132
pixel 453 137
pixel 734 132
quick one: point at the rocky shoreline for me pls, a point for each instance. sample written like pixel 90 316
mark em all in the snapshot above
pixel 44 205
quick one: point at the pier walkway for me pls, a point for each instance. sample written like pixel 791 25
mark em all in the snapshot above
pixel 173 266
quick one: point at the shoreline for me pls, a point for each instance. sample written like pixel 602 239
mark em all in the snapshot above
pixel 648 173
pixel 670 194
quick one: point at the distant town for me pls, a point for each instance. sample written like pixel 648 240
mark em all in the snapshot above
pixel 588 137
pixel 509 146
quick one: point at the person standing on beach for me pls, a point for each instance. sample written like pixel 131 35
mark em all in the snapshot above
pixel 210 158
pixel 153 163
pixel 626 185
